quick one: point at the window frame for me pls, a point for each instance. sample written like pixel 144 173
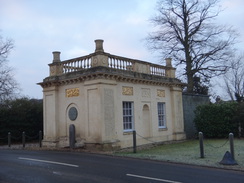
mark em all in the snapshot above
pixel 161 115
pixel 128 116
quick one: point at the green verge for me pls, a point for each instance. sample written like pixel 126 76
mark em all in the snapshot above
pixel 188 152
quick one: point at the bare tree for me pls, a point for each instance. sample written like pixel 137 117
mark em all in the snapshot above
pixel 8 85
pixel 186 33
pixel 234 78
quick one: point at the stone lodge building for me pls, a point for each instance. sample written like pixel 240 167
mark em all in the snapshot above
pixel 106 97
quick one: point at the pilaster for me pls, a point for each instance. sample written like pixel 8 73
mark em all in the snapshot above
pixel 51 113
pixel 177 113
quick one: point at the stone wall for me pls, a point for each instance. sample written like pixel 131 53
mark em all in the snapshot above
pixel 190 103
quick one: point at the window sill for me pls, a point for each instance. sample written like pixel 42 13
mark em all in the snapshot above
pixel 128 133
pixel 163 129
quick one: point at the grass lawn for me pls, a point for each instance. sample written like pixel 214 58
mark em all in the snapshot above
pixel 189 152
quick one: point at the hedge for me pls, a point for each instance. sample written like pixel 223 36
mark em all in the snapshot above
pixel 21 115
pixel 217 120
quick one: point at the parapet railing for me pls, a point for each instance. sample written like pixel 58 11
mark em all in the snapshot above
pixel 101 58
pixel 76 64
pixel 123 63
pixel 111 61
pixel 95 59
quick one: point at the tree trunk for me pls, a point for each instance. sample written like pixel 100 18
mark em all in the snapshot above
pixel 189 72
pixel 190 83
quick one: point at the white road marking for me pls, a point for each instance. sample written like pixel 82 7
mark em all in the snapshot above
pixel 151 178
pixel 57 173
pixel 52 162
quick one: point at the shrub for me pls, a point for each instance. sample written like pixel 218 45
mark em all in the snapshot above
pixel 239 119
pixel 217 120
pixel 21 115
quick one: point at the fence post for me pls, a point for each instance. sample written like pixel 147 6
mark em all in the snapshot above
pixel 231 138
pixel 40 138
pixel 134 141
pixel 201 145
pixel 9 139
pixel 23 139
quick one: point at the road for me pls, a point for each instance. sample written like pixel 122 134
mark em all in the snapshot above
pixel 20 166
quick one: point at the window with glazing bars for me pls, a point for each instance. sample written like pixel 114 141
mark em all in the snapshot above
pixel 128 116
pixel 161 115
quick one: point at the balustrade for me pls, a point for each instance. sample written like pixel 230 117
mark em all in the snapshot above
pixel 114 62
pixel 101 58
pixel 120 63
pixel 157 70
pixel 76 64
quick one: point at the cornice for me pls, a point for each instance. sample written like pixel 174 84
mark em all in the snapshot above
pixel 109 74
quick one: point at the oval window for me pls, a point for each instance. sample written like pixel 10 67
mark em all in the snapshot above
pixel 73 113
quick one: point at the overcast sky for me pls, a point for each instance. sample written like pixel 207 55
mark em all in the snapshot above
pixel 39 27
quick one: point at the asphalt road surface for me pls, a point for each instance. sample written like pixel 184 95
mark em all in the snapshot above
pixel 20 166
